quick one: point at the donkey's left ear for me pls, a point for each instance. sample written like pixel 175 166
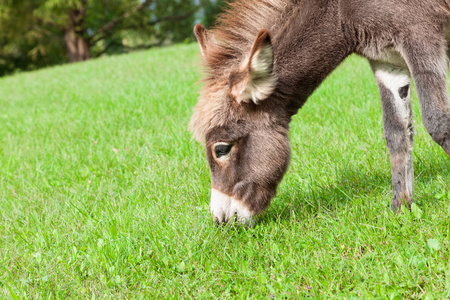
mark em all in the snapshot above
pixel 260 82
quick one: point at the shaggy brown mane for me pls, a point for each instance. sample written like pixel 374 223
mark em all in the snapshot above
pixel 232 38
pixel 237 27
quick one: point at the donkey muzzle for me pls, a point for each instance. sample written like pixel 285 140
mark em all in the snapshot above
pixel 225 209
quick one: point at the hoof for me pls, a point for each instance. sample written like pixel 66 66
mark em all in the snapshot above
pixel 397 202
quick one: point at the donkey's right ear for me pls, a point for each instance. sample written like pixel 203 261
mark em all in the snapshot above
pixel 202 37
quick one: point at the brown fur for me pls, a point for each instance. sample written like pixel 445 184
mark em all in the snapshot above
pixel 265 57
pixel 233 38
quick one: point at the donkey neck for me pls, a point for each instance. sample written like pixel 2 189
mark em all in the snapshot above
pixel 307 49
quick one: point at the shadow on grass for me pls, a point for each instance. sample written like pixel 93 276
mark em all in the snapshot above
pixel 352 186
pixel 430 166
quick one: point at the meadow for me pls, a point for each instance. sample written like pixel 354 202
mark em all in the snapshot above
pixel 104 194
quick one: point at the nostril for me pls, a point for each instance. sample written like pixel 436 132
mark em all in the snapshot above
pixel 232 215
pixel 234 212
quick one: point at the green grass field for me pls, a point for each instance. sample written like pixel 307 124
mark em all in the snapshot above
pixel 104 194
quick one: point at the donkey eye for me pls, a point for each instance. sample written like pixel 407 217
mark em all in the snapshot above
pixel 222 149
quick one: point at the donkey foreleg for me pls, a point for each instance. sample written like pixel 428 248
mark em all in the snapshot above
pixel 394 87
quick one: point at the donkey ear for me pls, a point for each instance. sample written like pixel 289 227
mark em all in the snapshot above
pixel 261 81
pixel 202 37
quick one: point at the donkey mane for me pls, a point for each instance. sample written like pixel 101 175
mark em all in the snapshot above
pixel 228 49
pixel 236 28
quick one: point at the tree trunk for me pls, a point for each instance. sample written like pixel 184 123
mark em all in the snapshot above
pixel 78 49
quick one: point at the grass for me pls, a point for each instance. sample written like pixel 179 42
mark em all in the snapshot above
pixel 105 195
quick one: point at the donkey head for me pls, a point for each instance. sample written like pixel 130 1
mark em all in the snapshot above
pixel 243 124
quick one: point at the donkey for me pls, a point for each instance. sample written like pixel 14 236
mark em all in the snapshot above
pixel 265 57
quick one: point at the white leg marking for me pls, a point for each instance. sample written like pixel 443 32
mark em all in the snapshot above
pixel 393 80
pixel 224 207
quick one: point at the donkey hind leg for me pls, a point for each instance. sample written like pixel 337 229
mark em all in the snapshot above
pixel 394 87
pixel 427 60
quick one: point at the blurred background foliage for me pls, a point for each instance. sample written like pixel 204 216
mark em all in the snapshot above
pixel 40 33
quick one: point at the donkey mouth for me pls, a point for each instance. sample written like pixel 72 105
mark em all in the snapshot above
pixel 226 209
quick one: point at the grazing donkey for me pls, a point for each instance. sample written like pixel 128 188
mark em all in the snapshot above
pixel 265 57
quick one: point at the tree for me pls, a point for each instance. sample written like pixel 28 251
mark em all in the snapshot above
pixel 210 11
pixel 35 33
